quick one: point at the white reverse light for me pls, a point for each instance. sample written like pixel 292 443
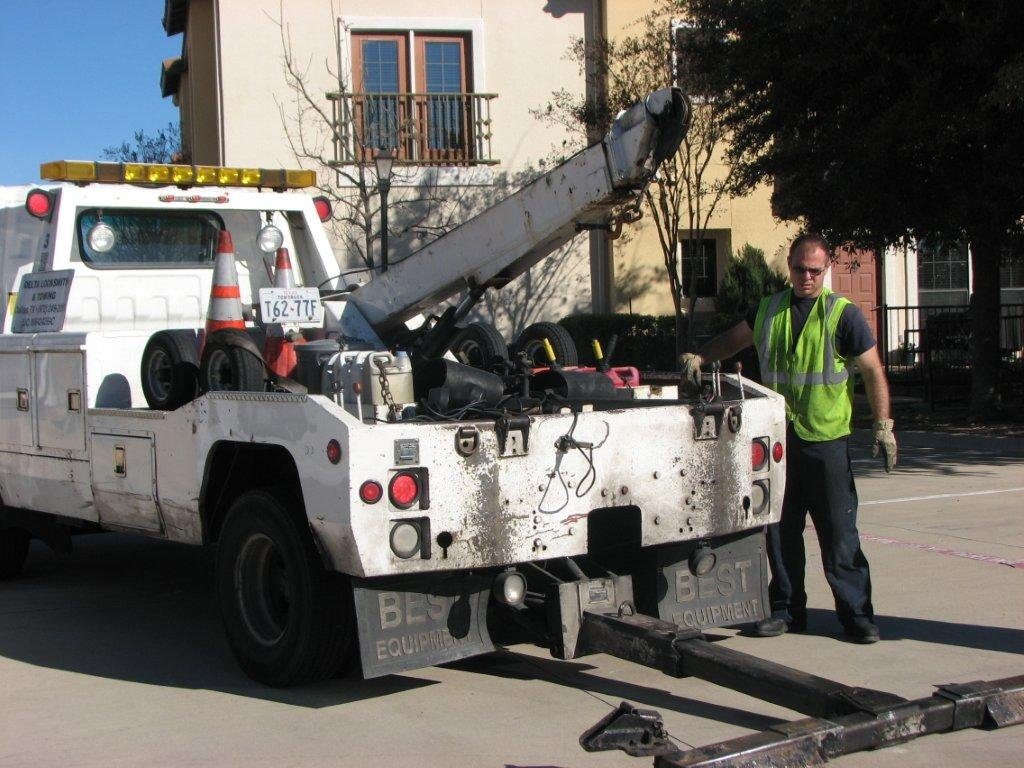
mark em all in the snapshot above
pixel 405 540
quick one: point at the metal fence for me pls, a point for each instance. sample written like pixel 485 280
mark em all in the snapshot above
pixel 929 348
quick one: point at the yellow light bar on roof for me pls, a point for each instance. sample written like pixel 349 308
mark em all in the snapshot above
pixel 68 170
pixel 110 173
pixel 183 174
pixel 133 172
pixel 159 174
pixel 206 174
pixel 300 179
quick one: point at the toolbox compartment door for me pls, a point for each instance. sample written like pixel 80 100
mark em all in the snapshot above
pixel 124 481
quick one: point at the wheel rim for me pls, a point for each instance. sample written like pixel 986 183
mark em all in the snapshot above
pixel 534 349
pixel 263 589
pixel 471 353
pixel 220 376
pixel 159 374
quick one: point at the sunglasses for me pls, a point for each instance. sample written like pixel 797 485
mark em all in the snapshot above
pixel 812 271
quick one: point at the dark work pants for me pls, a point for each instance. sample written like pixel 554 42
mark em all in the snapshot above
pixel 819 481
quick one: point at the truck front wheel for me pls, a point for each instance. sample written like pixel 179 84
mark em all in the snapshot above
pixel 13 551
pixel 286 617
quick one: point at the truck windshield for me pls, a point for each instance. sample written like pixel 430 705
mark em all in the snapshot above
pixel 150 239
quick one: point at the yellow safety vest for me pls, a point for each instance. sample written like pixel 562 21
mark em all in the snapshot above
pixel 813 377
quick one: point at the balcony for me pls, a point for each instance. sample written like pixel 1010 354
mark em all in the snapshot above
pixel 421 128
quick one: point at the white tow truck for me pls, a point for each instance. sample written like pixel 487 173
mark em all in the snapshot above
pixel 406 478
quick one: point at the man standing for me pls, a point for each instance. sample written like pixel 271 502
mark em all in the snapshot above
pixel 807 339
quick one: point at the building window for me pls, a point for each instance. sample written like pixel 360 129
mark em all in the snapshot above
pixel 1011 266
pixel 412 94
pixel 941 266
pixel 699 263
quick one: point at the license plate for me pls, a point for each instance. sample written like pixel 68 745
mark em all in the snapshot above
pixel 292 306
pixel 406 625
pixel 733 592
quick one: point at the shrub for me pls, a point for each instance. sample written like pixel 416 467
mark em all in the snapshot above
pixel 647 342
pixel 746 281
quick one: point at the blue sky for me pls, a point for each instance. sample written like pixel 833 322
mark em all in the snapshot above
pixel 77 76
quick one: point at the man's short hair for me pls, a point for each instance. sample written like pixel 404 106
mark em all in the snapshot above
pixel 812 239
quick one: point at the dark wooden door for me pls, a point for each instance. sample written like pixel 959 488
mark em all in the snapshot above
pixel 855 276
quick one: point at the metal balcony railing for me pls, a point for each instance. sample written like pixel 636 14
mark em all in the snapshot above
pixel 421 128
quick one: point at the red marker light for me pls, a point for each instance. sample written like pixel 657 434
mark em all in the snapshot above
pixel 333 451
pixel 323 207
pixel 778 452
pixel 371 492
pixel 39 204
pixel 403 490
pixel 758 454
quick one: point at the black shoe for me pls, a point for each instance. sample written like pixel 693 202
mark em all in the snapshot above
pixel 861 630
pixel 798 624
pixel 769 628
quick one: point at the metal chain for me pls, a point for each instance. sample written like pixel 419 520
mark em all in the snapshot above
pixel 385 390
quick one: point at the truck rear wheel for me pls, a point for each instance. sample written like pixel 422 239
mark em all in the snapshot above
pixel 13 551
pixel 531 341
pixel 287 618
pixel 478 344
pixel 170 369
pixel 231 363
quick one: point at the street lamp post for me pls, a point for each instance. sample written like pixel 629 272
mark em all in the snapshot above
pixel 384 160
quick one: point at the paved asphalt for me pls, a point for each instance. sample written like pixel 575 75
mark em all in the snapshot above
pixel 114 656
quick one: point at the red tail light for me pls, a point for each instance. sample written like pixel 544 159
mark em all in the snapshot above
pixel 758 453
pixel 404 490
pixel 370 492
pixel 39 203
pixel 778 452
pixel 323 207
pixel 333 451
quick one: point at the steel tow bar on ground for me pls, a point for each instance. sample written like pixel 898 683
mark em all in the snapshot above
pixel 843 718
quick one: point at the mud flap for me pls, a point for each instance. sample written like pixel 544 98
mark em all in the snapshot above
pixel 733 591
pixel 410 623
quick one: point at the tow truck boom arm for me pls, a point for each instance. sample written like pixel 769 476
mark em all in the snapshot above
pixel 586 191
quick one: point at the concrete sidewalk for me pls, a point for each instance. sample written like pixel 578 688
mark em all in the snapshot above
pixel 115 656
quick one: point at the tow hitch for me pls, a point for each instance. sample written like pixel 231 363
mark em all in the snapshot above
pixel 842 718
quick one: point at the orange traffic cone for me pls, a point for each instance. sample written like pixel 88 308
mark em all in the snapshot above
pixel 283 275
pixel 278 351
pixel 225 310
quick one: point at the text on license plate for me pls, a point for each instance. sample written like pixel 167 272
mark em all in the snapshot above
pixel 294 306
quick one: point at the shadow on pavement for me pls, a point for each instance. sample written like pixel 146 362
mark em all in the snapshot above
pixel 130 609
pixel 574 674
pixel 938 453
pixel 982 637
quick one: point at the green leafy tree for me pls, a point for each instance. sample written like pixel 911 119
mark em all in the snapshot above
pixel 164 146
pixel 879 123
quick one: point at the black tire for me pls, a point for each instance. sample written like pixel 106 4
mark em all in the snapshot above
pixel 288 620
pixel 531 341
pixel 13 551
pixel 479 344
pixel 170 369
pixel 231 363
